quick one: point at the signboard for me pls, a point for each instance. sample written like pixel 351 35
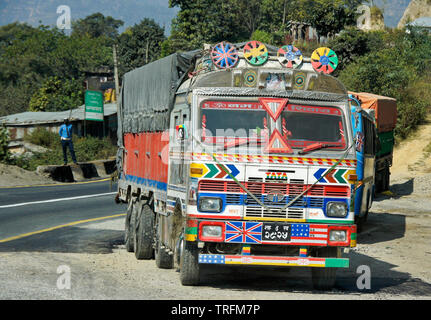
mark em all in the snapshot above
pixel 94 105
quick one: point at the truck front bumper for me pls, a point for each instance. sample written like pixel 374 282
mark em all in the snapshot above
pixel 273 261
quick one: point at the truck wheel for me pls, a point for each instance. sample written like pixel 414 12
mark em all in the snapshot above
pixel 189 265
pixel 163 259
pixel 144 238
pixel 324 278
pixel 129 234
pixel 386 179
pixel 361 220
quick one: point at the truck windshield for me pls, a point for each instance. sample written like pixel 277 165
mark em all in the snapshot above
pixel 224 120
pixel 307 125
pixel 245 123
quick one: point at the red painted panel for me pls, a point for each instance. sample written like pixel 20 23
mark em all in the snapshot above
pixel 142 158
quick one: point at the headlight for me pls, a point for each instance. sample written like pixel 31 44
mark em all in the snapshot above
pixel 210 204
pixel 336 209
pixel 337 235
pixel 211 231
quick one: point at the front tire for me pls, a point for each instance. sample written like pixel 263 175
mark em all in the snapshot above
pixel 144 238
pixel 324 278
pixel 189 264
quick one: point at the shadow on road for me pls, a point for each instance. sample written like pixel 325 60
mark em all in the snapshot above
pixel 67 240
pixel 398 190
pixel 384 280
pixel 382 227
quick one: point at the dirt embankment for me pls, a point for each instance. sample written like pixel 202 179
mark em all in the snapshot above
pixel 11 176
pixel 412 162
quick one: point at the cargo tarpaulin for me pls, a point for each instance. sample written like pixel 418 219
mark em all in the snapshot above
pixel 148 92
pixel 147 96
pixel 385 109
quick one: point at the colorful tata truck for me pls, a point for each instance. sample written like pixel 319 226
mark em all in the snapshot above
pixel 240 155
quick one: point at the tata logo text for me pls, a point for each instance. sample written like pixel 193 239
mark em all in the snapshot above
pixel 276 175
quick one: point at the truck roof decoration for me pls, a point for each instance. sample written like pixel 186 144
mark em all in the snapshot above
pixel 224 55
pixel 255 53
pixel 290 56
pixel 324 60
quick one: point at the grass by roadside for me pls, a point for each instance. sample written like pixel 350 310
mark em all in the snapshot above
pixel 86 149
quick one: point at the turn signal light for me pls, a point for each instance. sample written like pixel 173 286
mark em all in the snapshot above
pixel 197 171
pixel 352 177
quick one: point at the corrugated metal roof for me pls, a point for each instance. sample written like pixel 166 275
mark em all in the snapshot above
pixel 28 118
pixel 421 22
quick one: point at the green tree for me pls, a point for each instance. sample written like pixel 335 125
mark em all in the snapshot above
pixel 97 25
pixel 398 69
pixel 140 44
pixel 211 21
pixel 58 95
pixel 329 17
pixel 353 43
pixel 4 142
pixel 30 56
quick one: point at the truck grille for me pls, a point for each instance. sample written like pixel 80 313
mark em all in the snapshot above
pixel 260 188
pixel 260 212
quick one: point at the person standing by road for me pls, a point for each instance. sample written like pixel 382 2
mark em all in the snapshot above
pixel 66 140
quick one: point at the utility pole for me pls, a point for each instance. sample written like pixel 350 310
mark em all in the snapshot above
pixel 146 51
pixel 117 83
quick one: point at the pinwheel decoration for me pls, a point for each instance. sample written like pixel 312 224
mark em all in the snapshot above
pixel 255 53
pixel 224 55
pixel 289 56
pixel 324 60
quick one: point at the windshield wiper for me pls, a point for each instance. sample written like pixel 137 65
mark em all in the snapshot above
pixel 240 142
pixel 318 146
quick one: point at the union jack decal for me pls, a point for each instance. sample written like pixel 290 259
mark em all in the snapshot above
pixel 243 232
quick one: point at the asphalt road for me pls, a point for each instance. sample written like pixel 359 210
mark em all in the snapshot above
pixel 29 210
pixel 80 226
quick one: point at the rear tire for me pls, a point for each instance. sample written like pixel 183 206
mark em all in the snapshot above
pixel 144 238
pixel 129 234
pixel 324 278
pixel 189 265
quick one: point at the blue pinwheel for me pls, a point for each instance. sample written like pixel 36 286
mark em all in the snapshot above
pixel 224 55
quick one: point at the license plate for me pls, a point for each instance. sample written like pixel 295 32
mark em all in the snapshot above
pixel 276 231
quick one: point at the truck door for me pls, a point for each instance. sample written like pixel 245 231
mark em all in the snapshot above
pixel 369 163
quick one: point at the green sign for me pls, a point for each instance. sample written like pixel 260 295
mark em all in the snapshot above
pixel 94 105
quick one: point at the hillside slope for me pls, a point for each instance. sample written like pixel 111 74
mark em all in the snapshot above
pixel 412 157
pixel 416 9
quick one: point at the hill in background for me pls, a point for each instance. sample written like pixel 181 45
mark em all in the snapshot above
pixel 45 11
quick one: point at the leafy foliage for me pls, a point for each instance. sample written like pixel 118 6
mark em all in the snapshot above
pixel 140 44
pixel 30 58
pixel 397 70
pixel 4 141
pixel 57 95
pixel 96 26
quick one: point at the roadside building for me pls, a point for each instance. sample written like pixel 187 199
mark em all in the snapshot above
pixel 20 124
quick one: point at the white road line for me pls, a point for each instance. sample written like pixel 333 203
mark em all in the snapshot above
pixel 56 200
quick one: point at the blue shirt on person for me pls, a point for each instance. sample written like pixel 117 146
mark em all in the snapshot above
pixel 65 131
